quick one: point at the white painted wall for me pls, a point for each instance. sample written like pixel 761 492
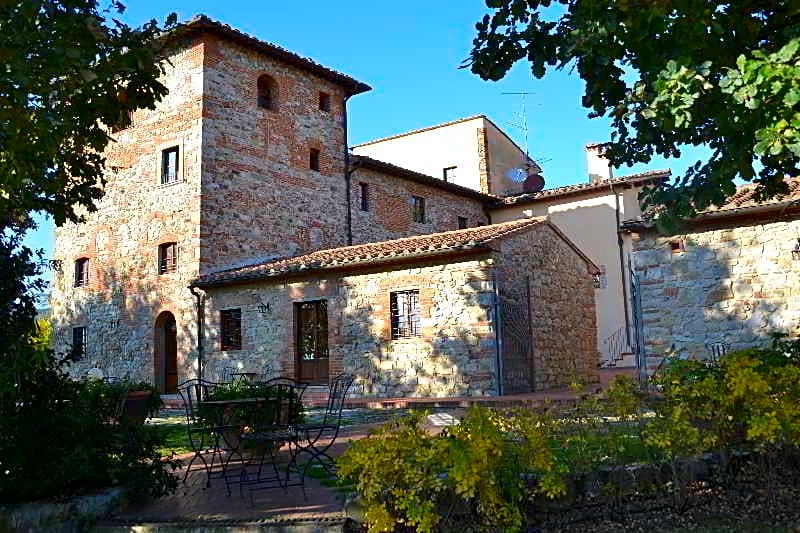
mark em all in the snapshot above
pixel 431 151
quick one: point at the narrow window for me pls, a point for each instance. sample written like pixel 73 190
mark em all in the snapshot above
pixel 449 173
pixel 418 208
pixel 676 247
pixel 125 121
pixel 267 92
pixel 78 351
pixel 167 257
pixel 313 159
pixel 82 272
pixel 230 329
pixel 364 189
pixel 462 222
pixel 405 314
pixel 324 102
pixel 169 165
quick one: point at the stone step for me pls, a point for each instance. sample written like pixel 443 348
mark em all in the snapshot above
pixel 266 525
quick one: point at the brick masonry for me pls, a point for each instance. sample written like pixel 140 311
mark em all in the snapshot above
pixel 723 284
pixel 245 193
pixel 390 213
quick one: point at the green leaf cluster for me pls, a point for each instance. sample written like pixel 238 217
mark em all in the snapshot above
pixel 669 74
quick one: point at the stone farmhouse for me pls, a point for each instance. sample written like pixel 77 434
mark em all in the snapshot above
pixel 725 282
pixel 239 231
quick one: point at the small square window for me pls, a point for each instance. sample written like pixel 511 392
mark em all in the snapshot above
pixel 462 223
pixel 167 257
pixel 230 329
pixel 169 165
pixel 324 102
pixel 313 159
pixel 78 350
pixel 82 272
pixel 364 198
pixel 418 209
pixel 404 306
pixel 449 173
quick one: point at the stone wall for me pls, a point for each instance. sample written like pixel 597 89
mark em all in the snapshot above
pixel 724 284
pixel 540 269
pixel 260 198
pixel 455 354
pixel 390 214
pixel 125 294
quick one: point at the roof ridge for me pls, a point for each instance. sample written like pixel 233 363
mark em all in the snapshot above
pixel 422 130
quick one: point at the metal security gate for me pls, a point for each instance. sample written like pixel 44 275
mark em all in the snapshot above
pixel 517 348
pixel 637 342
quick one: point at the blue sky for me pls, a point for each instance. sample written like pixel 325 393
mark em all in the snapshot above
pixel 409 52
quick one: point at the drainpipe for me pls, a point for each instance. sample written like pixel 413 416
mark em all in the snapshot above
pixel 620 243
pixel 200 313
pixel 347 174
pixel 498 334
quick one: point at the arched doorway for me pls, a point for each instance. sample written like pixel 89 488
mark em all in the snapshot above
pixel 166 353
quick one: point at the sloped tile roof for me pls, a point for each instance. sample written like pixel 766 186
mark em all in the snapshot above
pixel 577 188
pixel 417 247
pixel 744 198
pixel 204 23
pixel 370 163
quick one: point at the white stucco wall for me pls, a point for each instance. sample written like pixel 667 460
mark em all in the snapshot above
pixel 430 151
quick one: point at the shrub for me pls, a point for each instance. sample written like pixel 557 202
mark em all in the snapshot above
pixel 59 437
pixel 470 474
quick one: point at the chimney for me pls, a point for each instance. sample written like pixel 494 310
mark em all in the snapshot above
pixel 597 164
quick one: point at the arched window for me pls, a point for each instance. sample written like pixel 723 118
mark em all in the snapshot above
pixel 267 92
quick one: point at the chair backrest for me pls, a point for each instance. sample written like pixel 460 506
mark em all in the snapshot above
pixel 192 392
pixel 227 376
pixel 337 393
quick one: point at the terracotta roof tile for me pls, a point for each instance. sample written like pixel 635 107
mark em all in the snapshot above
pixel 744 198
pixel 204 23
pixel 421 246
pixel 577 188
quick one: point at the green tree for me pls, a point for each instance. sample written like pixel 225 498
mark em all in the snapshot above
pixel 669 74
pixel 71 71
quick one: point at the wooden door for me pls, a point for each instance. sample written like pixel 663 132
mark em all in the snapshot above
pixel 311 330
pixel 170 356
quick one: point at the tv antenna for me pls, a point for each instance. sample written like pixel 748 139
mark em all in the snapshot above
pixel 533 182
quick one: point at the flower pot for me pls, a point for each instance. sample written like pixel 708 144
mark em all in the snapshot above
pixel 136 406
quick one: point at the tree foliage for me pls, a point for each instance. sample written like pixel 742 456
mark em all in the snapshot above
pixel 71 70
pixel 669 74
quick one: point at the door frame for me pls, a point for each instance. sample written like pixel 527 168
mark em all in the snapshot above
pixel 297 332
pixel 160 354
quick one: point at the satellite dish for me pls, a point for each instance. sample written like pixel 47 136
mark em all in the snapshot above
pixel 533 183
pixel 517 175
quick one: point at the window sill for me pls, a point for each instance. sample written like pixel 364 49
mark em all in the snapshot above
pixel 170 184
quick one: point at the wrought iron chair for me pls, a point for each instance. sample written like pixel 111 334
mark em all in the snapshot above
pixel 285 401
pixel 308 438
pixel 204 438
pixel 717 350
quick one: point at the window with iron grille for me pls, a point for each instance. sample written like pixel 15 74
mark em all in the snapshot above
pixel 82 272
pixel 169 165
pixel 462 223
pixel 78 343
pixel 324 101
pixel 405 314
pixel 418 208
pixel 449 174
pixel 167 257
pixel 364 189
pixel 230 329
pixel 313 159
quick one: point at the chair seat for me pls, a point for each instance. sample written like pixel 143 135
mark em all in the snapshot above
pixel 276 434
